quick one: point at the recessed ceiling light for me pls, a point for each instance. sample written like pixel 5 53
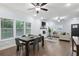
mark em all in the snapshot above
pixel 68 4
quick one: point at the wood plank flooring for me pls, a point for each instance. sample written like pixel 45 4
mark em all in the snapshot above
pixel 51 48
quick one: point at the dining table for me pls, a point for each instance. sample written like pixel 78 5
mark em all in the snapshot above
pixel 75 43
pixel 29 39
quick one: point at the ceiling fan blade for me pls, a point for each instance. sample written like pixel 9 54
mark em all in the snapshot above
pixel 38 4
pixel 33 4
pixel 30 8
pixel 43 4
pixel 44 9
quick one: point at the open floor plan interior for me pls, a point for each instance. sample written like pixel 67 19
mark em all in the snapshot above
pixel 39 29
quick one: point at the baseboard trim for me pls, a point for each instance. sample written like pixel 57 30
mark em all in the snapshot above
pixel 64 40
pixel 7 47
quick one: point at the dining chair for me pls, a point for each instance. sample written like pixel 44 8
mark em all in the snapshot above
pixel 36 44
pixel 40 35
pixel 30 34
pixel 23 35
pixel 19 45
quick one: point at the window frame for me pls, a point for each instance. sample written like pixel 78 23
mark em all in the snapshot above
pixel 27 28
pixel 14 29
pixel 1 30
pixel 21 28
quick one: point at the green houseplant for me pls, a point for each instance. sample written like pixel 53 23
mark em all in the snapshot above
pixel 49 31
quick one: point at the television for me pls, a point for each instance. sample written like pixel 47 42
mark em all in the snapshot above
pixel 75 29
pixel 43 24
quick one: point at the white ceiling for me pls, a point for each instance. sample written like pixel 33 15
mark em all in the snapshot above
pixel 54 9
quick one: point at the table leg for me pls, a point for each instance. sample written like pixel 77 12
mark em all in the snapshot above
pixel 72 46
pixel 42 41
pixel 26 49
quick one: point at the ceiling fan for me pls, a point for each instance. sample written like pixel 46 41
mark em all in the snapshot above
pixel 38 7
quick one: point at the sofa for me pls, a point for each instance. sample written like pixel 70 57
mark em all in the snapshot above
pixel 64 36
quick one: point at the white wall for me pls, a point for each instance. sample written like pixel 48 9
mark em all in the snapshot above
pixel 67 24
pixel 15 15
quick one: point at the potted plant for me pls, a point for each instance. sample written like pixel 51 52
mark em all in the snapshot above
pixel 49 31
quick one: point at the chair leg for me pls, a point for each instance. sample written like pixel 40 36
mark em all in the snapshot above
pixel 22 51
pixel 34 49
pixel 38 46
pixel 17 50
pixel 17 53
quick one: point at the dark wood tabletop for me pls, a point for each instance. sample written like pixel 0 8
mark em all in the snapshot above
pixel 28 38
pixel 76 40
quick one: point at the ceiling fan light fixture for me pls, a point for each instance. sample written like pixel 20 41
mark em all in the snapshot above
pixel 37 8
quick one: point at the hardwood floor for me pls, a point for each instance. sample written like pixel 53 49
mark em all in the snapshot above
pixel 51 48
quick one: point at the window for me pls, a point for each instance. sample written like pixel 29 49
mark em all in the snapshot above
pixel 19 28
pixel 28 28
pixel 6 28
